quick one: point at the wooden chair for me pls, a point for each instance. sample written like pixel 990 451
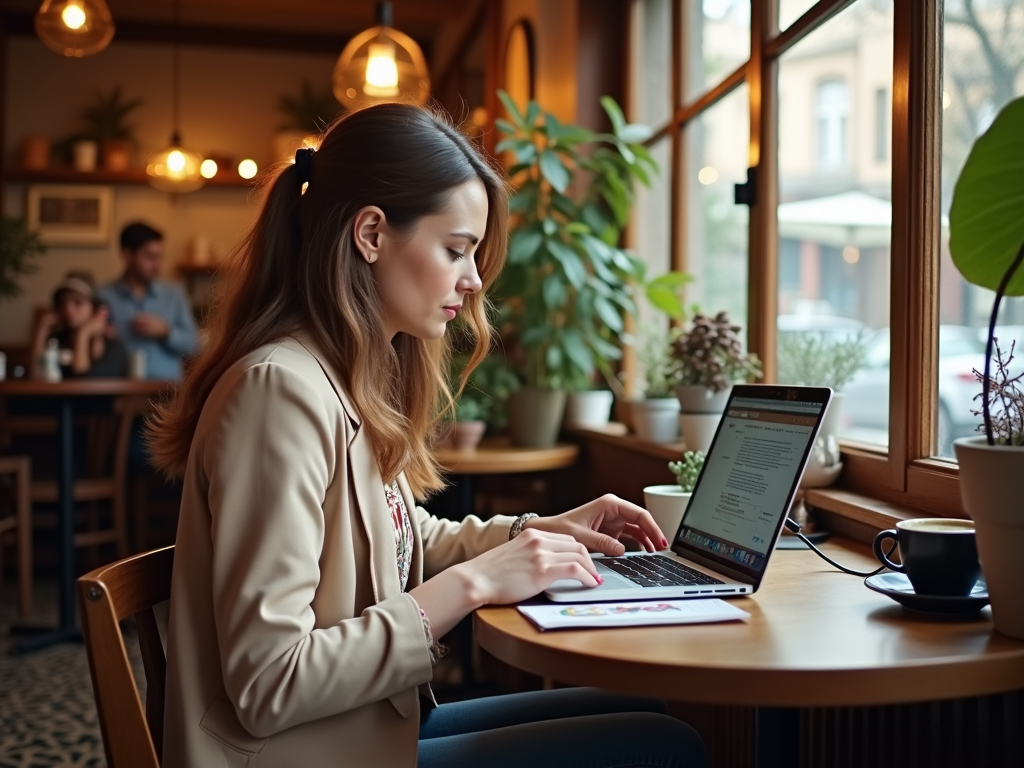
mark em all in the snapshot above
pixel 132 734
pixel 20 467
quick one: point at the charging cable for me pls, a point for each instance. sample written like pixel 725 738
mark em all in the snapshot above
pixel 794 527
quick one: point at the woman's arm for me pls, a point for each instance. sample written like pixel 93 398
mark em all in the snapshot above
pixel 269 462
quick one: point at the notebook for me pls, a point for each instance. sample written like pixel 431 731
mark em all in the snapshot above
pixel 737 510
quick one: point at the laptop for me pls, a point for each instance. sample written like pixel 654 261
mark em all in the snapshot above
pixel 737 510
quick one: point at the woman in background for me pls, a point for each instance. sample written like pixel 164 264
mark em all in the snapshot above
pixel 309 588
pixel 86 343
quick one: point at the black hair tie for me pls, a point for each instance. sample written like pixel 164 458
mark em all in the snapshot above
pixel 304 163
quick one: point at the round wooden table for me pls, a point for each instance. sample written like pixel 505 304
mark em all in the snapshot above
pixel 815 638
pixel 64 395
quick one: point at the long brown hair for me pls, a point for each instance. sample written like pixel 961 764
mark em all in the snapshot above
pixel 298 269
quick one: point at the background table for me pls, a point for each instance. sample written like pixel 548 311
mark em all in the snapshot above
pixel 499 457
pixel 64 395
pixel 815 638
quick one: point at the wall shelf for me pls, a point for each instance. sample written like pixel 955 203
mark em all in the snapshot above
pixel 65 175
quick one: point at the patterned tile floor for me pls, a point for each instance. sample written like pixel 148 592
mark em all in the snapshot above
pixel 47 711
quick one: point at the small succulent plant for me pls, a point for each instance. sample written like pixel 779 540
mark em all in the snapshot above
pixel 711 354
pixel 688 470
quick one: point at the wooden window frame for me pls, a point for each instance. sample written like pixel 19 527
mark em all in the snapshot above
pixel 904 474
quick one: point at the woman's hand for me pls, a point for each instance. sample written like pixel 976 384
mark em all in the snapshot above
pixel 599 524
pixel 514 571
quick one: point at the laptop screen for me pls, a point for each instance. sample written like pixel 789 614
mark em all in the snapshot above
pixel 751 474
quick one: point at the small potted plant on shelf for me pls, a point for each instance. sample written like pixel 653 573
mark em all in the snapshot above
pixel 567 284
pixel 655 416
pixel 708 358
pixel 106 123
pixel 667 503
pixel 818 359
pixel 986 241
pixel 306 115
pixel 479 404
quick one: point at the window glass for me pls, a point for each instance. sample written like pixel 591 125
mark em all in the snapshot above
pixel 716 40
pixel 983 69
pixel 652 216
pixel 791 10
pixel 716 228
pixel 835 215
pixel 652 62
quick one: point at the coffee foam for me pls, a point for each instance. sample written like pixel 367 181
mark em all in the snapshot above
pixel 937 525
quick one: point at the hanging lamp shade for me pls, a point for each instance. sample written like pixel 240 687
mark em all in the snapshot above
pixel 75 28
pixel 175 168
pixel 381 64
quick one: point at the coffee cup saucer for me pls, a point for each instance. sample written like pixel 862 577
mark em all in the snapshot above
pixel 898 587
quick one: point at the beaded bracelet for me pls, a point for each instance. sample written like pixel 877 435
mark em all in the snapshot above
pixel 517 526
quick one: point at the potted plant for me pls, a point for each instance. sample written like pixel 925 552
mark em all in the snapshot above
pixel 708 358
pixel 106 123
pixel 655 416
pixel 667 503
pixel 818 359
pixel 306 115
pixel 986 241
pixel 479 403
pixel 567 284
pixel 19 247
pixel 472 409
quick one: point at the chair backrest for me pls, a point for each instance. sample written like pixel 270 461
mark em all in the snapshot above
pixel 132 734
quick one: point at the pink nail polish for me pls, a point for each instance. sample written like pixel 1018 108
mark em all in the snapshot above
pixel 599 580
pixel 664 541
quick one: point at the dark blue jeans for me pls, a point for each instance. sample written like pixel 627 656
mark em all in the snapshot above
pixel 565 728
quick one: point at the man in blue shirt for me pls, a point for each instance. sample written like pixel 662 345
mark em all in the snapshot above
pixel 150 315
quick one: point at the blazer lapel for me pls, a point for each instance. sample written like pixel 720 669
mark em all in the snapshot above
pixel 416 567
pixel 373 508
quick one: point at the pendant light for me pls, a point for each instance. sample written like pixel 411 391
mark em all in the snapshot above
pixel 75 28
pixel 175 168
pixel 381 64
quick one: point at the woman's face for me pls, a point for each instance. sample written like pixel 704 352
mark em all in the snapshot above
pixel 424 276
pixel 73 309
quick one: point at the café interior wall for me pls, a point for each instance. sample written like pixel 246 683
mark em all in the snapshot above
pixel 228 107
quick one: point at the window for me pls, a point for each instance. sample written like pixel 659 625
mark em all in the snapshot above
pixel 832 109
pixel 856 138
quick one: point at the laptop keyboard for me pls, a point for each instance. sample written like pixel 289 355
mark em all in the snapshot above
pixel 657 571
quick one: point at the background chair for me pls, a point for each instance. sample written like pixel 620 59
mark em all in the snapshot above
pixel 19 468
pixel 132 734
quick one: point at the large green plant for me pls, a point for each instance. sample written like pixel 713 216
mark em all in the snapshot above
pixel 19 246
pixel 106 117
pixel 986 237
pixel 568 285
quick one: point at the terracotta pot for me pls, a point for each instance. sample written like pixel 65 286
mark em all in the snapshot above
pixel 116 154
pixel 35 153
pixel 466 435
pixel 990 490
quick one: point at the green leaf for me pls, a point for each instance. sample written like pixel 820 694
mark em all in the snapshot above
pixel 513 110
pixel 635 133
pixel 550 227
pixel 535 335
pixel 553 291
pixel 608 314
pixel 532 113
pixel 666 300
pixel 506 127
pixel 523 245
pixel 626 152
pixel 524 199
pixel 571 263
pixel 577 351
pixel 986 218
pixel 524 149
pixel 614 114
pixel 565 206
pixel 672 280
pixel 552 168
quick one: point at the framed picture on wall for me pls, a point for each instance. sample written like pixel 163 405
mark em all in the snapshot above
pixel 71 214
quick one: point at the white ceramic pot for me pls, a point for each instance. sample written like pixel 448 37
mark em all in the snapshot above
pixel 700 399
pixel 655 419
pixel 588 409
pixel 666 503
pixel 698 429
pixel 990 477
pixel 84 154
pixel 823 465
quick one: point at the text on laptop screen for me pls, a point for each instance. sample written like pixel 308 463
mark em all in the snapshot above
pixel 747 478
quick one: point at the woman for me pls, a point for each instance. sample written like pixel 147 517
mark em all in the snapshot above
pixel 308 587
pixel 78 325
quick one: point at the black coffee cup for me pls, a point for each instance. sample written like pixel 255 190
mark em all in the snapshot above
pixel 939 555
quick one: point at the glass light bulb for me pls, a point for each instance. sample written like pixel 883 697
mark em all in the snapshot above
pixel 73 15
pixel 247 168
pixel 381 71
pixel 208 168
pixel 176 161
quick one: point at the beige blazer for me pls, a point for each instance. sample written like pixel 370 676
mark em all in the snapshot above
pixel 290 641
